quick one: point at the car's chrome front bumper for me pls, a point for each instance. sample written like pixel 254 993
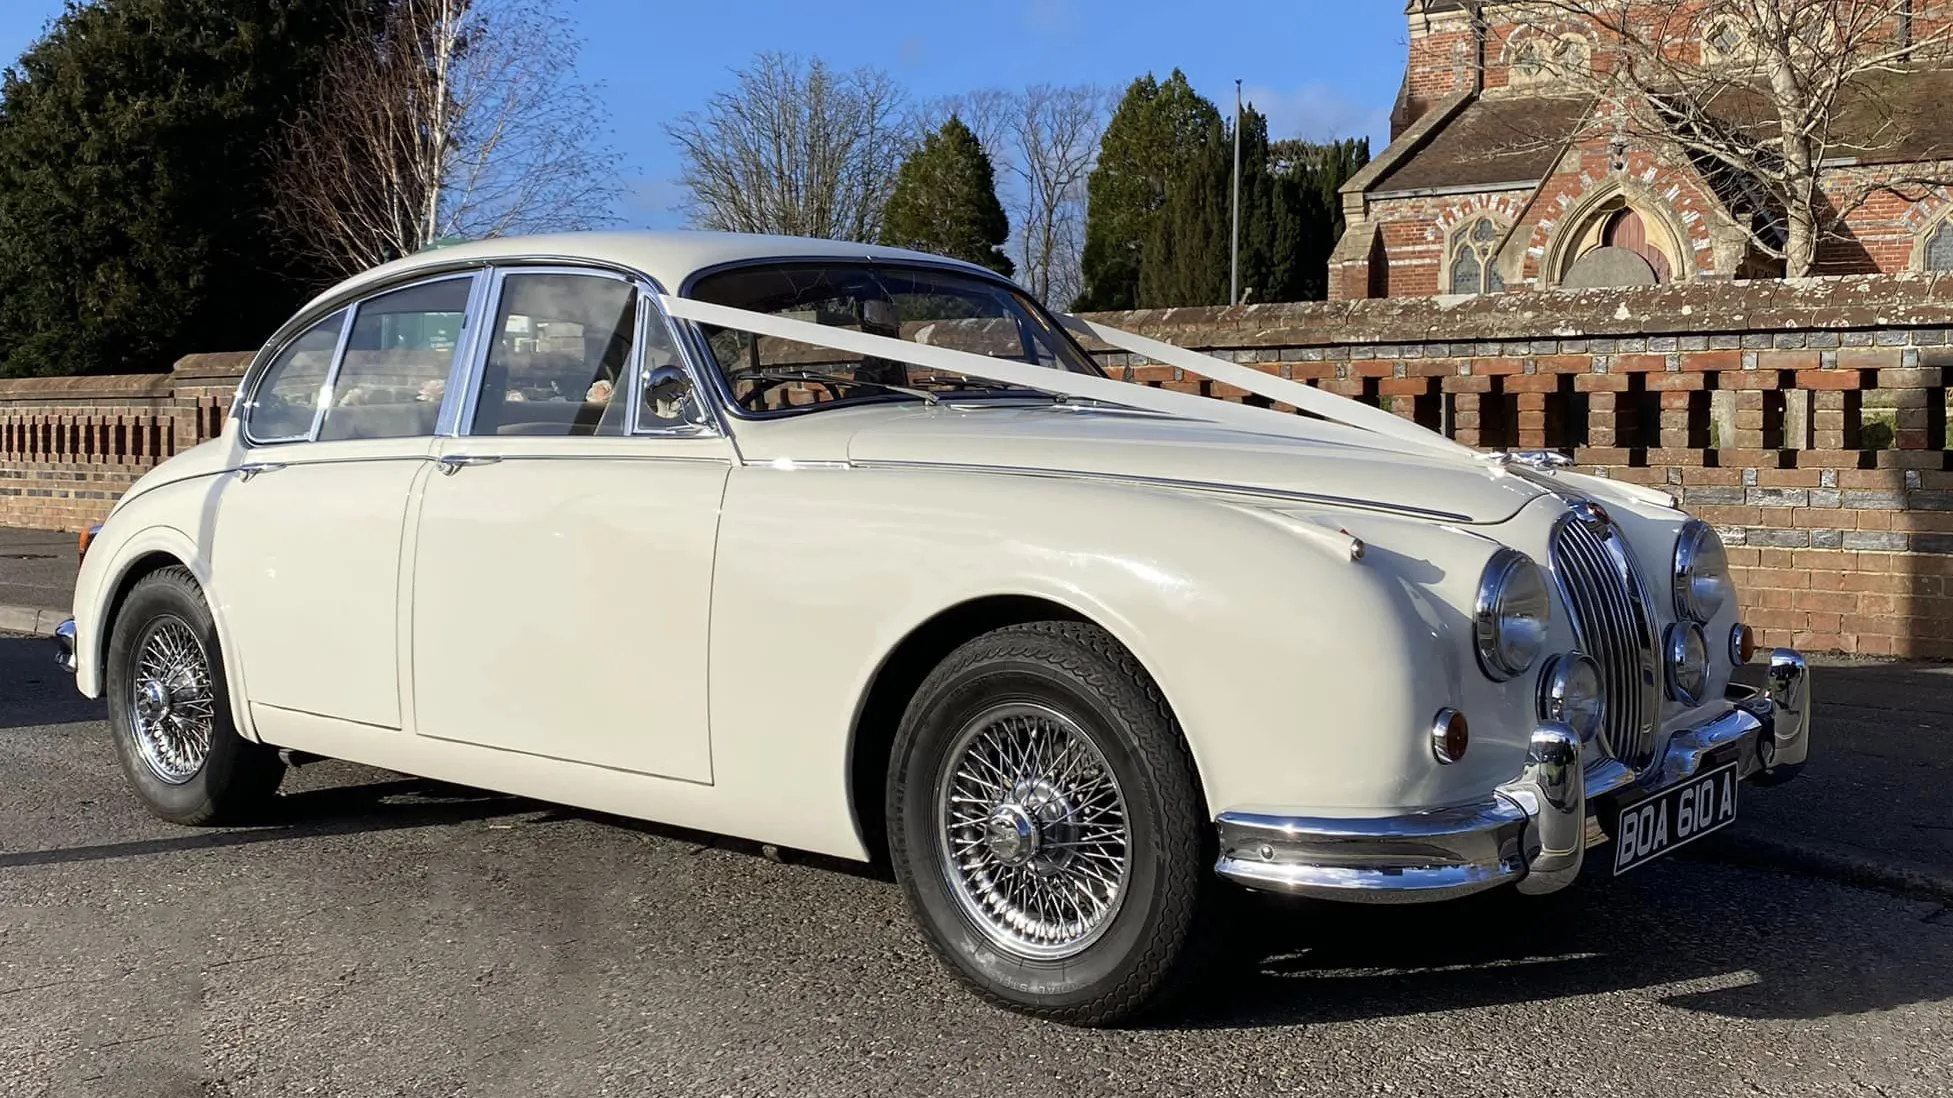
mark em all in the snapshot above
pixel 64 645
pixel 1532 832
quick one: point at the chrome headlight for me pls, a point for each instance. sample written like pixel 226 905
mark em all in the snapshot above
pixel 1688 663
pixel 1510 615
pixel 1702 583
pixel 1569 692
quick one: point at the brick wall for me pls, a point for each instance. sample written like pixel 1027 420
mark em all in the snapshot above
pixel 1807 420
pixel 70 446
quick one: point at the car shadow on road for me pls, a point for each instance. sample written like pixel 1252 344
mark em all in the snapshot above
pixel 36 692
pixel 1735 953
pixel 310 814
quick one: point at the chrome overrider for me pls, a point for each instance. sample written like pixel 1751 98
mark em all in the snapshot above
pixel 1532 832
pixel 64 645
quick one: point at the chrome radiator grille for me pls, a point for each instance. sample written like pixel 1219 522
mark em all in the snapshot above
pixel 1602 591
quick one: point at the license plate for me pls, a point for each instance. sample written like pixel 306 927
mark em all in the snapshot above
pixel 1647 830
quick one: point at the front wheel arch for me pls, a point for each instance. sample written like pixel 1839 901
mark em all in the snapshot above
pixel 133 573
pixel 895 681
pixel 138 556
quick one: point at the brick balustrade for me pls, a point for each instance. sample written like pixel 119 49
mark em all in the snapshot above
pixel 70 446
pixel 1807 420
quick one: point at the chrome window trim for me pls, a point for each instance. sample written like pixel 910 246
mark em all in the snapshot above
pixel 472 327
pixel 632 379
pixel 352 303
pixel 651 310
pixel 243 406
pixel 338 298
pixel 729 406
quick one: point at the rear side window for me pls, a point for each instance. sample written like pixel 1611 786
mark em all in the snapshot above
pixel 287 397
pixel 397 360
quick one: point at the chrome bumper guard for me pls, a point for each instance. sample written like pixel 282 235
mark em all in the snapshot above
pixel 64 645
pixel 1532 832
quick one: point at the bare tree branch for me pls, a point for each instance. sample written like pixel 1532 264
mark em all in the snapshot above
pixel 795 148
pixel 459 119
pixel 1759 93
pixel 1044 142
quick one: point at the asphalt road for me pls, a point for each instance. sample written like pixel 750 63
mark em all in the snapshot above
pixel 37 568
pixel 386 936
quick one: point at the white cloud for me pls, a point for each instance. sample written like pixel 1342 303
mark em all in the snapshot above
pixel 1317 112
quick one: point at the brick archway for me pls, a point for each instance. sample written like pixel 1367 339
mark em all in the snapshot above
pixel 1621 216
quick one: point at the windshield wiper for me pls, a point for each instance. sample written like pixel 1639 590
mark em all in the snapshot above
pixel 837 379
pixel 1086 402
pixel 966 385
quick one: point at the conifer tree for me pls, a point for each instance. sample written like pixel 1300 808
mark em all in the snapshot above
pixel 945 201
pixel 133 179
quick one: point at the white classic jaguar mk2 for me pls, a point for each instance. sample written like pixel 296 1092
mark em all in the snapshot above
pixel 856 551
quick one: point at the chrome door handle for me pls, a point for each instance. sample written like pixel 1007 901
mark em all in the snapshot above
pixel 454 463
pixel 257 467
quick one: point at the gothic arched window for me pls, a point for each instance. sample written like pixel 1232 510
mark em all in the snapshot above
pixel 1474 266
pixel 1937 248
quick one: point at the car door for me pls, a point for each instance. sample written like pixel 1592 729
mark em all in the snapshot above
pixel 306 536
pixel 562 563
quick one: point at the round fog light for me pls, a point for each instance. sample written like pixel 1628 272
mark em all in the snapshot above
pixel 1688 663
pixel 1569 693
pixel 1450 736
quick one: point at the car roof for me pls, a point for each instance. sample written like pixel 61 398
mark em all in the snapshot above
pixel 669 258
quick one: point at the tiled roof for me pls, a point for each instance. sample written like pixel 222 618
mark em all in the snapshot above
pixel 1887 118
pixel 1495 139
pixel 1517 138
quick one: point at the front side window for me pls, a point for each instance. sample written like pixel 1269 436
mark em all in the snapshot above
pixel 926 305
pixel 562 345
pixel 395 371
pixel 286 399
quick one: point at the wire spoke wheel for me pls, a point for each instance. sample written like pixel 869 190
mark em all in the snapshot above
pixel 172 703
pixel 1032 831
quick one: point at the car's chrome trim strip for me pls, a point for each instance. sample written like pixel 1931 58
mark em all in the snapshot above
pixel 1192 485
pixel 499 458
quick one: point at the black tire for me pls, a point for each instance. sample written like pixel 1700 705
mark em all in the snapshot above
pixel 1158 936
pixel 235 778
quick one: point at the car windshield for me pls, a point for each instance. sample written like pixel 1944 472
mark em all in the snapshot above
pixel 933 306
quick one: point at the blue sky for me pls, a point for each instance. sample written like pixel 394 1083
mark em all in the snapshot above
pixel 1319 68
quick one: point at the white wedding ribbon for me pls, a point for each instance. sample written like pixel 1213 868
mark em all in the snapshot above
pixel 1330 406
pixel 1349 421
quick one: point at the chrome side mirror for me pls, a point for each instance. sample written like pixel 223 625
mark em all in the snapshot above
pixel 668 395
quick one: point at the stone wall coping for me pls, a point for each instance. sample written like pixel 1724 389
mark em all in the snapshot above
pixel 228 365
pixel 1833 303
pixel 27 390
